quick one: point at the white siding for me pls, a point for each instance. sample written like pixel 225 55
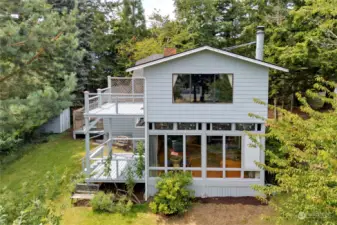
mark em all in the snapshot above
pixel 250 81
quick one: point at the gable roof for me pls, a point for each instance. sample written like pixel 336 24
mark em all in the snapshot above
pixel 220 51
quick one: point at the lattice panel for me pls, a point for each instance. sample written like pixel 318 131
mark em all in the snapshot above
pixel 127 86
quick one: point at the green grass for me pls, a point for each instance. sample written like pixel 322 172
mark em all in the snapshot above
pixel 60 154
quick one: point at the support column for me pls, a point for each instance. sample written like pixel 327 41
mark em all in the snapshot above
pixel 87 146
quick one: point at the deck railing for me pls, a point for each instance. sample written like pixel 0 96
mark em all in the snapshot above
pixel 120 90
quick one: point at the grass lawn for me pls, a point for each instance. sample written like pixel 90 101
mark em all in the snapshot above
pixel 61 153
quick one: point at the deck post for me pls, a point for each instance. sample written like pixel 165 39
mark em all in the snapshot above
pixel 146 144
pixel 87 146
pixel 86 101
pixel 99 94
pixel 116 102
pixel 110 91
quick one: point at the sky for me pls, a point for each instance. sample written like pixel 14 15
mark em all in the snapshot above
pixel 166 7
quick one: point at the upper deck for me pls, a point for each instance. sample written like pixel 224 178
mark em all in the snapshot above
pixel 123 96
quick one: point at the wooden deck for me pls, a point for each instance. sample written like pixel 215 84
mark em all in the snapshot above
pixel 118 173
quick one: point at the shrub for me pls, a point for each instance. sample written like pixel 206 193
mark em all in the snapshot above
pixel 103 202
pixel 173 196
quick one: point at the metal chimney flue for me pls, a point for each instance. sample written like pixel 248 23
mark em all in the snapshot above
pixel 259 42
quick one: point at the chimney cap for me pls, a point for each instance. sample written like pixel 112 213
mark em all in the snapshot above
pixel 260 27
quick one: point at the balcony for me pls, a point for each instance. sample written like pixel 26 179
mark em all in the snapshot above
pixel 123 96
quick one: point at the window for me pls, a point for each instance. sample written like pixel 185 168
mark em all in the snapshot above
pixel 140 122
pixel 259 127
pixel 221 126
pixel 245 126
pixel 199 126
pixel 150 126
pixel 202 88
pixel 214 151
pixel 163 126
pixel 175 151
pixel 193 151
pixel 187 126
pixel 252 174
pixel 156 151
pixel 233 152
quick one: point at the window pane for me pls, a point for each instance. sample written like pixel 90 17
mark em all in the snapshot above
pixel 201 88
pixel 140 122
pixel 233 174
pixel 214 151
pixel 214 174
pixel 196 173
pixel 221 126
pixel 252 174
pixel 181 88
pixel 156 151
pixel 193 151
pixel 233 151
pixel 222 88
pixel 163 126
pixel 245 126
pixel 187 126
pixel 175 150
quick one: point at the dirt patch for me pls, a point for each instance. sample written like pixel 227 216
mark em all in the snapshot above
pixel 228 213
pixel 82 203
pixel 231 200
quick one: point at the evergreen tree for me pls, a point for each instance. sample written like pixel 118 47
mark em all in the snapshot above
pixel 39 51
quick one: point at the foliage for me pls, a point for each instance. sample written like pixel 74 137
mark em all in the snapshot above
pixel 305 170
pixel 108 202
pixel 28 206
pixel 140 161
pixel 103 202
pixel 38 56
pixel 173 196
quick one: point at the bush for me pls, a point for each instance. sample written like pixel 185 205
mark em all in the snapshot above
pixel 173 196
pixel 103 202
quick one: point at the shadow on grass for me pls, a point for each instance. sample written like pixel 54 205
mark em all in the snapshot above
pixel 136 209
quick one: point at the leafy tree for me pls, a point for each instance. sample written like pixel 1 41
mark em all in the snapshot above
pixel 304 42
pixel 305 165
pixel 39 51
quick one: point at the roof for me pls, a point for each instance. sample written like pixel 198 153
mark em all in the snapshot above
pixel 220 51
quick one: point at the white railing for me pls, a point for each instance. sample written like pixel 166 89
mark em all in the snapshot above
pixel 120 90
pixel 97 100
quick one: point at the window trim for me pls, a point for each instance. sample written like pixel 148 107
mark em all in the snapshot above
pixel 172 95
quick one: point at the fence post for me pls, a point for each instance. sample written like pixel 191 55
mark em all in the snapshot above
pixel 133 89
pixel 86 101
pixel 99 94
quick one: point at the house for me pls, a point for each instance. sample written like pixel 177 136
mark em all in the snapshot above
pixel 191 111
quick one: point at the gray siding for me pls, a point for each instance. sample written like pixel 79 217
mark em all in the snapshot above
pixel 123 126
pixel 250 81
pixel 58 124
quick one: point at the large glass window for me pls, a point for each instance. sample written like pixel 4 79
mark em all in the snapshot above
pixel 214 151
pixel 202 88
pixel 157 151
pixel 175 150
pixel 233 152
pixel 193 151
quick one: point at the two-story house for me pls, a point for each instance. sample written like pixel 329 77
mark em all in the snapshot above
pixel 191 110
